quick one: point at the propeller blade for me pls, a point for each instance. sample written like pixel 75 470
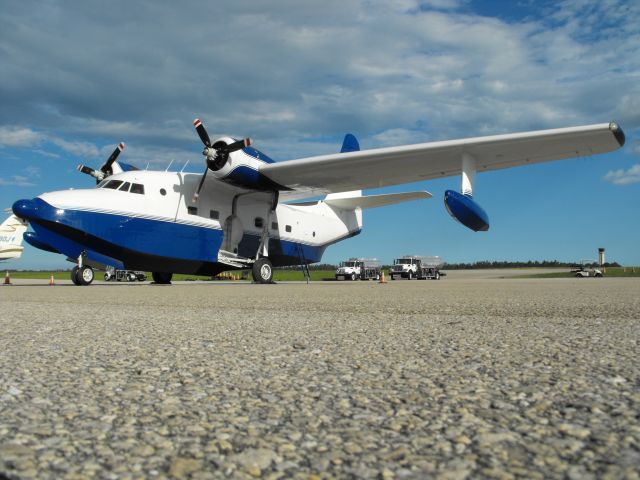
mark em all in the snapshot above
pixel 197 194
pixel 85 169
pixel 232 147
pixel 107 166
pixel 90 171
pixel 202 132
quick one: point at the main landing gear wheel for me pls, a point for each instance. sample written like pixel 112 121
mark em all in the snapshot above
pixel 162 278
pixel 262 271
pixel 82 276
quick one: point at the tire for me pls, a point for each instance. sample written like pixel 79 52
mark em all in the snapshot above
pixel 598 275
pixel 262 271
pixel 106 277
pixel 74 275
pixel 353 277
pixel 377 277
pixel 162 278
pixel 410 276
pixel 85 275
pixel 393 277
pixel 437 277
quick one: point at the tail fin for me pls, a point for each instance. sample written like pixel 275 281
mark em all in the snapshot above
pixel 349 144
pixel 11 232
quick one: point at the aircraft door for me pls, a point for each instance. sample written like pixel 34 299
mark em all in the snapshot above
pixel 233 233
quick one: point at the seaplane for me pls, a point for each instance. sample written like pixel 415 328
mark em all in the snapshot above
pixel 246 211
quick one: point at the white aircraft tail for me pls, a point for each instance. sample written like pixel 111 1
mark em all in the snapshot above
pixel 11 232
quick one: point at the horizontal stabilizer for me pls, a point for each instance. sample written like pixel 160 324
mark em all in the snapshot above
pixel 372 201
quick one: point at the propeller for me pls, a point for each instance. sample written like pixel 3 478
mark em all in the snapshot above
pixel 216 154
pixel 105 170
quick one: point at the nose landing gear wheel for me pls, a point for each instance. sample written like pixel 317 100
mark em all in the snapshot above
pixel 74 275
pixel 82 276
pixel 262 271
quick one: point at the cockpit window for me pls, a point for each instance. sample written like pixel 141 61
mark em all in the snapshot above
pixel 113 184
pixel 137 188
pixel 125 187
pixel 102 183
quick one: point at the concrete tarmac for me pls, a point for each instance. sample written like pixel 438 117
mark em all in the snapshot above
pixel 467 377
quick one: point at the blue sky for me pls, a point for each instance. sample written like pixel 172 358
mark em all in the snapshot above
pixel 297 76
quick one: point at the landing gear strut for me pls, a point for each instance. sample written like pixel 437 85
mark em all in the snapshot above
pixel 262 270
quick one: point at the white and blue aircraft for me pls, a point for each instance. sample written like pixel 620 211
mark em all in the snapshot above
pixel 11 232
pixel 245 210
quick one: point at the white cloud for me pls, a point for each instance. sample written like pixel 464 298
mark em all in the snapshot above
pixel 290 70
pixel 624 177
pixel 18 137
pixel 81 149
pixel 16 180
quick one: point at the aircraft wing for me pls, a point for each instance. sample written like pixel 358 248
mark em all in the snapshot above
pixel 411 163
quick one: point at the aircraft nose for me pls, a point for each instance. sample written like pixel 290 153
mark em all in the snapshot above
pixel 25 209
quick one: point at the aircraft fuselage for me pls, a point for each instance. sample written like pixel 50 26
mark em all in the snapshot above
pixel 149 222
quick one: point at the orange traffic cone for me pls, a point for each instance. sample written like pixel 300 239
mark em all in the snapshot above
pixel 382 280
pixel 7 279
pixel 52 281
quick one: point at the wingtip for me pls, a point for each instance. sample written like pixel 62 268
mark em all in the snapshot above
pixel 617 132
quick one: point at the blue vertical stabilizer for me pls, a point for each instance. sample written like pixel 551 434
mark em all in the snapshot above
pixel 350 144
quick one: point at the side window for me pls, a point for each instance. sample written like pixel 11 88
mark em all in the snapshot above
pixel 287 228
pixel 214 214
pixel 192 210
pixel 125 187
pixel 113 184
pixel 258 222
pixel 274 225
pixel 137 188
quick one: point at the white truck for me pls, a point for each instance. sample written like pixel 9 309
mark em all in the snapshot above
pixel 359 268
pixel 123 275
pixel 416 266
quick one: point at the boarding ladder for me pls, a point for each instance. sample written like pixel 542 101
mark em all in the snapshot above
pixel 303 262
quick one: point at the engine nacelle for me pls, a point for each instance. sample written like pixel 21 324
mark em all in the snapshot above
pixel 466 211
pixel 240 167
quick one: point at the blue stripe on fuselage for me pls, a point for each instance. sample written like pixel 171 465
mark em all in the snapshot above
pixel 121 236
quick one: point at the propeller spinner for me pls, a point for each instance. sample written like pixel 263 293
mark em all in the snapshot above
pixel 217 154
pixel 105 170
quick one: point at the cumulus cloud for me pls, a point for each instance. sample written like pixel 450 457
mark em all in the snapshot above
pixel 624 177
pixel 289 74
pixel 17 181
pixel 18 137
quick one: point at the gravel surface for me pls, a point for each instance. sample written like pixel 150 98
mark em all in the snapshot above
pixel 464 378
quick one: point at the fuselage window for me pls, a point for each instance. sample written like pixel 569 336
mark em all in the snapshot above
pixel 288 228
pixel 192 210
pixel 214 214
pixel 113 184
pixel 274 225
pixel 137 188
pixel 258 222
pixel 163 191
pixel 125 187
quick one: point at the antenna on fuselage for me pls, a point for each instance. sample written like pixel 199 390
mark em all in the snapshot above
pixel 168 166
pixel 185 166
